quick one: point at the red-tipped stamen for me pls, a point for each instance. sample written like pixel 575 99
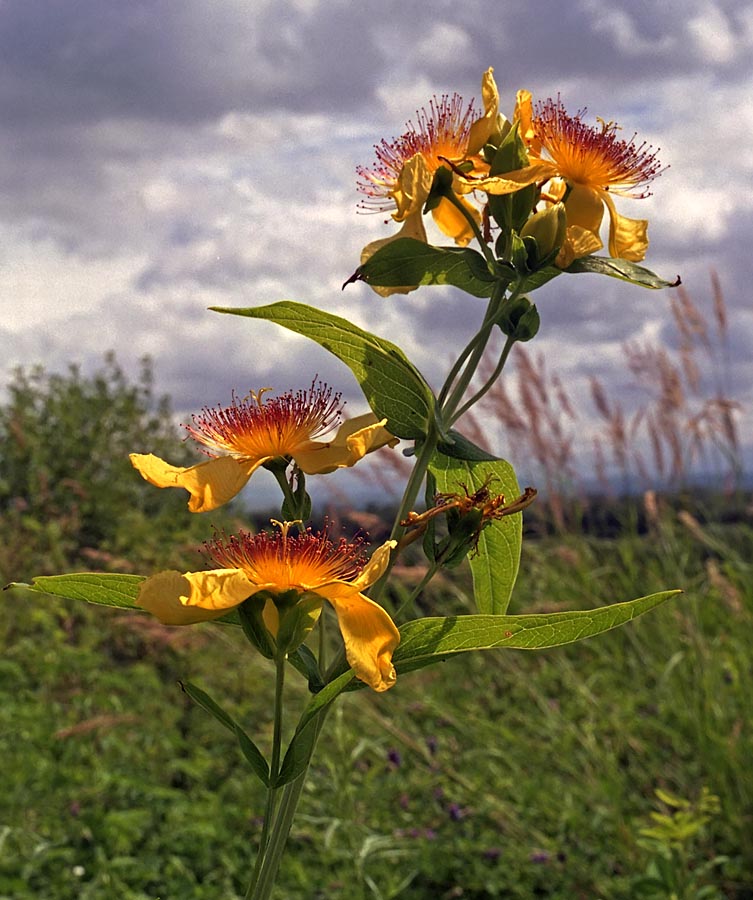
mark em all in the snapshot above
pixel 586 154
pixel 442 131
pixel 257 426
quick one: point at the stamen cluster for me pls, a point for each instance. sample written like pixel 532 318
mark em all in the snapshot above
pixel 442 131
pixel 256 426
pixel 289 560
pixel 586 154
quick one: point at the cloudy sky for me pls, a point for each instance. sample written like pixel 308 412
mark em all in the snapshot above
pixel 162 156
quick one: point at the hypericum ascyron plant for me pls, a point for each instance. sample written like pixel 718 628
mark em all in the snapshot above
pixel 531 191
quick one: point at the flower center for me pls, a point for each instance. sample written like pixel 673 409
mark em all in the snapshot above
pixel 594 156
pixel 302 561
pixel 442 131
pixel 278 426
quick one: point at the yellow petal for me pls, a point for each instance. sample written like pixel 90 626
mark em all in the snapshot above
pixel 370 637
pixel 628 238
pixel 354 439
pixel 371 573
pixel 524 116
pixel 453 223
pixel 177 599
pixel 584 207
pixel 578 242
pixel 540 170
pixel 210 483
pixel 412 188
pixel 483 128
pixel 413 227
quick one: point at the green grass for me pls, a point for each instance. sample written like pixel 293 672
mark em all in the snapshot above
pixel 505 774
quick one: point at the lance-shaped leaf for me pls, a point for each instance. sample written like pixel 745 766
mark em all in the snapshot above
pixel 394 388
pixel 426 641
pixel 253 755
pixel 494 566
pixel 406 261
pixel 302 743
pixel 622 269
pixel 102 589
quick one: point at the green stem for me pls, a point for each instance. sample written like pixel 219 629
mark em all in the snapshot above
pixel 274 771
pixel 494 376
pixel 264 882
pixel 451 196
pixel 414 594
pixel 480 341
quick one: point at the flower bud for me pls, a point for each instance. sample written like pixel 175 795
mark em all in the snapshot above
pixel 548 228
pixel 519 320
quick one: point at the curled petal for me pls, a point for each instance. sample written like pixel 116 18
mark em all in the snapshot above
pixel 524 116
pixel 177 599
pixel 540 170
pixel 584 208
pixel 579 242
pixel 628 238
pixel 210 483
pixel 453 223
pixel 354 439
pixel 370 637
pixel 412 188
pixel 483 128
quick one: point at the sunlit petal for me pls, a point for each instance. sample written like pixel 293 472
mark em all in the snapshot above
pixel 483 128
pixel 210 483
pixel 177 599
pixel 628 238
pixel 370 637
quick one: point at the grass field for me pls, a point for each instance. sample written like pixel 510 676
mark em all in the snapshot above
pixel 506 774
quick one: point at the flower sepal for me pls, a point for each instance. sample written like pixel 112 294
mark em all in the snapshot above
pixel 519 320
pixel 298 613
pixel 255 627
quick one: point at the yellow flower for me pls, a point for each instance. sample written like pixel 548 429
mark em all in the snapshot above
pixel 278 562
pixel 404 170
pixel 585 165
pixel 256 430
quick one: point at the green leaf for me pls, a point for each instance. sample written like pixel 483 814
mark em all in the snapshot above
pixel 248 747
pixel 394 388
pixel 102 589
pixel 622 269
pixel 430 640
pixel 406 261
pixel 459 447
pixel 302 743
pixel 495 566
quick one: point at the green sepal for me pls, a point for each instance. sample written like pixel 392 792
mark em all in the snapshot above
pixel 510 211
pixel 462 537
pixel 407 261
pixel 253 755
pixel 252 623
pixel 622 269
pixel 434 639
pixel 393 386
pixel 297 619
